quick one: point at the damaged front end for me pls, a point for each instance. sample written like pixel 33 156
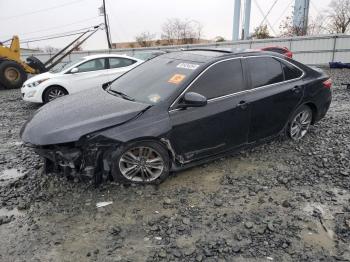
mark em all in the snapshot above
pixel 86 158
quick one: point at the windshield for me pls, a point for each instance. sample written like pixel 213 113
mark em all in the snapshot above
pixel 59 68
pixel 154 81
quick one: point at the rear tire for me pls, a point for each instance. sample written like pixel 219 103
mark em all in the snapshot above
pixel 143 162
pixel 53 92
pixel 12 74
pixel 300 123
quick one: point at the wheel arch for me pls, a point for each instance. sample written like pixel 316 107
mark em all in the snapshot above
pixel 46 88
pixel 314 109
pixel 163 141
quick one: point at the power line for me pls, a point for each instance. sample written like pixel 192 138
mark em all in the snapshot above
pixel 56 34
pixel 65 25
pixel 120 32
pixel 318 11
pixel 55 27
pixel 314 6
pixel 268 12
pixel 40 10
pixel 65 34
pixel 283 13
pixel 49 38
pixel 265 16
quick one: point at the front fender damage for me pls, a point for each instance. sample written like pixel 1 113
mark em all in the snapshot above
pixel 86 158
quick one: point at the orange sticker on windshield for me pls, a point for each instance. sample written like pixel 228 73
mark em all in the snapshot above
pixel 176 79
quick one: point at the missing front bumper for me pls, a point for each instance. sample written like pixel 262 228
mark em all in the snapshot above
pixel 91 162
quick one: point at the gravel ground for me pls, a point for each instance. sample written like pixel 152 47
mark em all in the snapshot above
pixel 281 201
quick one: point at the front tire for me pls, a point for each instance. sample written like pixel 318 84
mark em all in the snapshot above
pixel 53 92
pixel 144 162
pixel 12 74
pixel 300 123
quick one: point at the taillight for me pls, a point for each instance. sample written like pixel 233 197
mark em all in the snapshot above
pixel 289 54
pixel 327 83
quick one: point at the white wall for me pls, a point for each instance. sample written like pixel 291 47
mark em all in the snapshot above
pixel 315 50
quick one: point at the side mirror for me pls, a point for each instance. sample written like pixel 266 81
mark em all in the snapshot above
pixel 106 85
pixel 192 99
pixel 74 70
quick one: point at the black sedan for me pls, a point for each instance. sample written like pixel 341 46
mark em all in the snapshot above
pixel 177 110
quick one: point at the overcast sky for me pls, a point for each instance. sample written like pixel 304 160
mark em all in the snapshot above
pixel 36 18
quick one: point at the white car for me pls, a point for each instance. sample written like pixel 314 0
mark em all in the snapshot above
pixel 84 73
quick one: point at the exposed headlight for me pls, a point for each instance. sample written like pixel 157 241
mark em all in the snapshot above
pixel 38 82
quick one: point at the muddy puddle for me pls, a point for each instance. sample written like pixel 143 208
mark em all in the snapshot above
pixel 10 175
pixel 318 236
pixel 319 232
pixel 13 212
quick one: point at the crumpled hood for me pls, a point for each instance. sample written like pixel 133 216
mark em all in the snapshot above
pixel 68 118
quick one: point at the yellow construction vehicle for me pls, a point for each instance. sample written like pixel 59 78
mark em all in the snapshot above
pixel 14 71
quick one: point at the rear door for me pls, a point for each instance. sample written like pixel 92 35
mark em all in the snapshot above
pixel 118 66
pixel 275 91
pixel 91 74
pixel 220 125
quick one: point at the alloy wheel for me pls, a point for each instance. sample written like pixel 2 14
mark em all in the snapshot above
pixel 55 93
pixel 300 124
pixel 141 164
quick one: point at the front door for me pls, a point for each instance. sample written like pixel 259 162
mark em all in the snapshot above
pixel 221 124
pixel 91 74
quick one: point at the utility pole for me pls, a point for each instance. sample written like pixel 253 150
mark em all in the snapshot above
pixel 106 25
pixel 236 20
pixel 247 9
pixel 300 16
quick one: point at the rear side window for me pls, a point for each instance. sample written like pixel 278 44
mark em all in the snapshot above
pixel 120 62
pixel 92 65
pixel 290 72
pixel 264 71
pixel 221 79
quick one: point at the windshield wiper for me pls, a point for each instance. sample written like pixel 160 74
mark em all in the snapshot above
pixel 125 96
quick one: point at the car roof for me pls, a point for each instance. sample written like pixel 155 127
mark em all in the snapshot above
pixel 275 46
pixel 109 55
pixel 210 55
pixel 200 56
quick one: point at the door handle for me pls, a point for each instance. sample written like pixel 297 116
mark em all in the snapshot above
pixel 296 89
pixel 243 104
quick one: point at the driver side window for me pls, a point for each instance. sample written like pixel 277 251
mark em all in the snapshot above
pixel 222 79
pixel 92 65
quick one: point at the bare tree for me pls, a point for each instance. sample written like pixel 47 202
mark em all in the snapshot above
pixel 287 29
pixel 177 31
pixel 261 32
pixel 50 49
pixel 199 30
pixel 339 16
pixel 145 39
pixel 169 31
pixel 317 25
